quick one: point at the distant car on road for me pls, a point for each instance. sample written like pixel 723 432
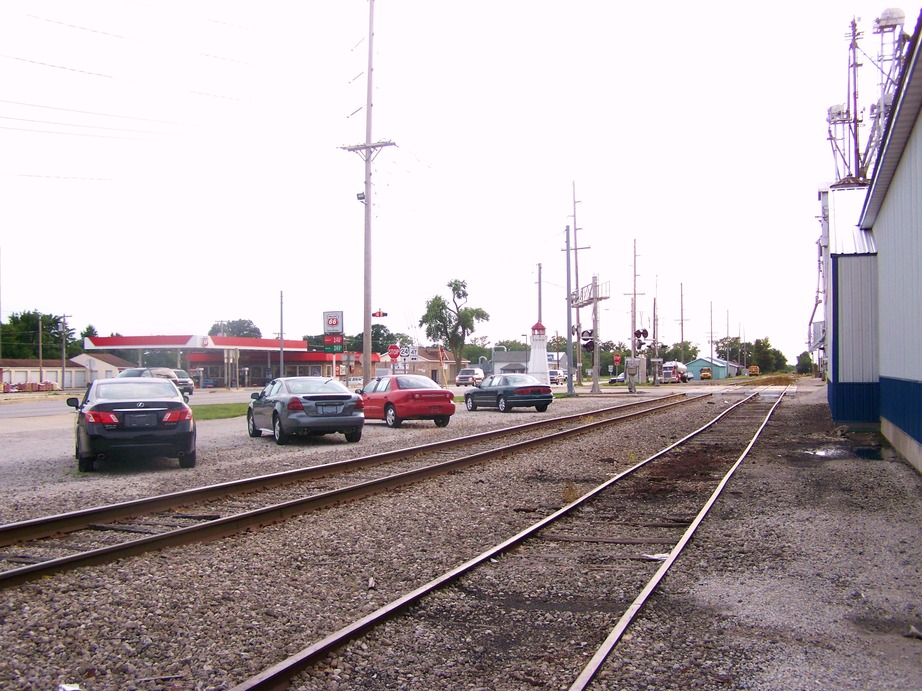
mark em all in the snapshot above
pixel 132 415
pixel 306 406
pixel 400 397
pixel 353 383
pixel 184 382
pixel 469 376
pixel 557 376
pixel 508 391
pixel 617 380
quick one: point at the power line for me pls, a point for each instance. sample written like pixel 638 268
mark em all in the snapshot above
pixel 70 124
pixel 58 67
pixel 87 112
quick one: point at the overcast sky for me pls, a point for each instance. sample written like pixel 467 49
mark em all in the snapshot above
pixel 166 165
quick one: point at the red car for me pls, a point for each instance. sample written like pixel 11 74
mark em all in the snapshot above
pixel 400 397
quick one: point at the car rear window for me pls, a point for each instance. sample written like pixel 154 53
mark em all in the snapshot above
pixel 142 389
pixel 416 382
pixel 317 386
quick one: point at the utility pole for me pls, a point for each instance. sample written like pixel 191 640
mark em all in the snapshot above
pixel 368 151
pixel 539 292
pixel 41 370
pixel 682 319
pixel 64 347
pixel 569 320
pixel 576 248
pixel 281 334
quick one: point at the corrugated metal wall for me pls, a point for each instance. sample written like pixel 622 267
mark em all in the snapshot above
pixel 855 347
pixel 898 233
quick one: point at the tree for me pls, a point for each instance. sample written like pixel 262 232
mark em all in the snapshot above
pixel 243 328
pixel 450 324
pixel 804 363
pixel 20 336
pixel 767 358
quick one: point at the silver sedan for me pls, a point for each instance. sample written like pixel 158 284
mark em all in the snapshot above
pixel 306 406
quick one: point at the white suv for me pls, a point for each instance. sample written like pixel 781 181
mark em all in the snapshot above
pixel 469 376
pixel 556 376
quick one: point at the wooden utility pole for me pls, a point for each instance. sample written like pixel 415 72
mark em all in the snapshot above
pixel 368 151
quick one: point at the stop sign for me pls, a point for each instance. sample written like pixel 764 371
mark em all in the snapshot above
pixel 393 350
pixel 617 358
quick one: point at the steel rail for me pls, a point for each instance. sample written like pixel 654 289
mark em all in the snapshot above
pixel 598 659
pixel 278 676
pixel 231 525
pixel 48 526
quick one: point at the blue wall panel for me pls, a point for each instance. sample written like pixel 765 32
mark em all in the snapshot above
pixel 854 402
pixel 901 404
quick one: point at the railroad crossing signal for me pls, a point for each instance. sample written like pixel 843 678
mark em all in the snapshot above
pixel 379 313
pixel 588 342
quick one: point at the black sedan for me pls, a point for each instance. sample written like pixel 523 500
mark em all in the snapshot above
pixel 508 391
pixel 306 406
pixel 132 415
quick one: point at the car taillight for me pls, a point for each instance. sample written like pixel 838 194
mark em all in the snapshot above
pixel 295 404
pixel 360 403
pixel 181 415
pixel 101 417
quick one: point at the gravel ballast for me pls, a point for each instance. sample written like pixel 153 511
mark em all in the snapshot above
pixel 805 574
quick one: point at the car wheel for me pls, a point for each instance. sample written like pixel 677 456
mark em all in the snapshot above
pixel 353 436
pixel 253 430
pixel 187 460
pixel 469 402
pixel 85 464
pixel 503 405
pixel 390 416
pixel 280 435
pixel 541 408
pixel 442 420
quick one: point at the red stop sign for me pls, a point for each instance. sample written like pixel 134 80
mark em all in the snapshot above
pixel 617 358
pixel 393 350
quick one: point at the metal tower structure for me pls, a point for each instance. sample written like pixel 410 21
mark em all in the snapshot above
pixel 852 164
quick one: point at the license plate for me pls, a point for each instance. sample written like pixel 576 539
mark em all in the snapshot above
pixel 140 419
pixel 327 409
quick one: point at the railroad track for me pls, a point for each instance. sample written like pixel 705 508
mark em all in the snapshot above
pixel 551 602
pixel 43 546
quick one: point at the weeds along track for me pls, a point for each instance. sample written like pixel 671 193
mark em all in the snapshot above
pixel 39 547
pixel 545 607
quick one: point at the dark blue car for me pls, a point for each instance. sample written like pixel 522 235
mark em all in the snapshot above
pixel 508 391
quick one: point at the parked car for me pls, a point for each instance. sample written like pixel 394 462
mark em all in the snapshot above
pixel 557 376
pixel 508 391
pixel 306 406
pixel 162 372
pixel 184 382
pixel 137 415
pixel 469 376
pixel 619 379
pixel 399 397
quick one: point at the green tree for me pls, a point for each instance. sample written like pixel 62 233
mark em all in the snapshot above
pixel 243 328
pixel 21 335
pixel 451 323
pixel 381 338
pixel 767 358
pixel 804 363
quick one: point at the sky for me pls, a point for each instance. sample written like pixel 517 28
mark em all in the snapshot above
pixel 167 165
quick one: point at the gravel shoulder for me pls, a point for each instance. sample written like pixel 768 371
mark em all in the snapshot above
pixel 805 575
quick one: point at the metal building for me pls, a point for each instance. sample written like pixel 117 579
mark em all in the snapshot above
pixel 893 213
pixel 850 339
